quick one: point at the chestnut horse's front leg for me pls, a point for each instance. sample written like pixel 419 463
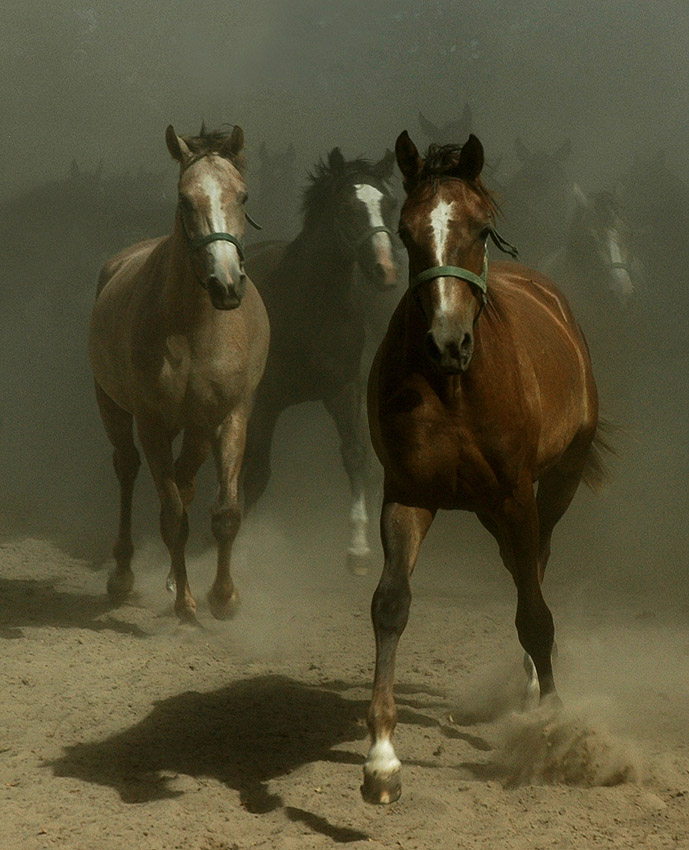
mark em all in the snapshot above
pixel 228 453
pixel 402 531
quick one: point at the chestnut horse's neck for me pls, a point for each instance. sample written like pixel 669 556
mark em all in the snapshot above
pixel 184 300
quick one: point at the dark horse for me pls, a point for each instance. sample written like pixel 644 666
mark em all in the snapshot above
pixel 317 320
pixel 481 388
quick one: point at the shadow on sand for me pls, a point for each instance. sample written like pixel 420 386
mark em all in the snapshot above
pixel 243 735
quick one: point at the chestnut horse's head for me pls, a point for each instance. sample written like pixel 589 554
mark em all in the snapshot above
pixel 444 223
pixel 210 208
pixel 354 199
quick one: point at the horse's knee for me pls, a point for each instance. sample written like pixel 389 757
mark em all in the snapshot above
pixel 390 606
pixel 225 522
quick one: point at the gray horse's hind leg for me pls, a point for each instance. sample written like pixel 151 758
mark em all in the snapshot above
pixel 195 449
pixel 346 410
pixel 228 453
pixel 118 425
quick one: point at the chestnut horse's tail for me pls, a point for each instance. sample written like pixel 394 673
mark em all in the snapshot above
pixel 596 471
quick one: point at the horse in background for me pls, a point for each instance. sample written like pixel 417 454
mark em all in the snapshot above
pixel 178 343
pixel 317 319
pixel 481 388
pixel 450 131
pixel 277 199
pixel 536 202
pixel 656 202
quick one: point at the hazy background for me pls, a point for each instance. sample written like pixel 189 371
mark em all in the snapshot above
pixel 90 83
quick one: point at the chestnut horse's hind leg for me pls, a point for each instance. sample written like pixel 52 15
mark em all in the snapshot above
pixel 519 547
pixel 402 531
pixel 346 410
pixel 228 452
pixel 119 428
pixel 174 524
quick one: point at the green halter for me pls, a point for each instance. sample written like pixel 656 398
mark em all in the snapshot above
pixel 479 281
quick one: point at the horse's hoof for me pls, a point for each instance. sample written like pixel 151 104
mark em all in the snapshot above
pixel 381 790
pixel 186 611
pixel 120 585
pixel 358 562
pixel 223 607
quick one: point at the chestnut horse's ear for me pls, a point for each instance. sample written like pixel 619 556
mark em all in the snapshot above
pixel 176 145
pixel 408 159
pixel 383 169
pixel 233 146
pixel 335 160
pixel 471 159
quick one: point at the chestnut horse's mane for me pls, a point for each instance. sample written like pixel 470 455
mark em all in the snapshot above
pixel 443 161
pixel 213 141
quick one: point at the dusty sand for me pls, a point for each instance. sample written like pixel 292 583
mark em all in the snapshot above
pixel 120 728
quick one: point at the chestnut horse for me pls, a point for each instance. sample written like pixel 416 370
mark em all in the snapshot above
pixel 481 388
pixel 178 343
pixel 317 320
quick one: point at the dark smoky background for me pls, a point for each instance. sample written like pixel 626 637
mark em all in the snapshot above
pixel 88 91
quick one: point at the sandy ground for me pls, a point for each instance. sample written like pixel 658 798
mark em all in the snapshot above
pixel 120 728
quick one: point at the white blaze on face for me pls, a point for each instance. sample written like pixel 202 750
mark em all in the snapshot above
pixel 441 216
pixel 372 199
pixel 217 223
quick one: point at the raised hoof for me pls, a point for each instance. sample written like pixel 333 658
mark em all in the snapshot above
pixel 120 585
pixel 223 607
pixel 381 791
pixel 358 562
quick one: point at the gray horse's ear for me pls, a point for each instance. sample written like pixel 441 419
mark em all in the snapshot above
pixel 471 159
pixel 428 127
pixel 564 151
pixel 234 145
pixel 408 159
pixel 383 169
pixel 335 160
pixel 523 153
pixel 176 145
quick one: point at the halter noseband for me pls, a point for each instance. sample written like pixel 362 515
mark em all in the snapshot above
pixel 479 281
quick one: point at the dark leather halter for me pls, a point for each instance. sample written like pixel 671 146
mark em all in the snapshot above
pixel 352 246
pixel 220 236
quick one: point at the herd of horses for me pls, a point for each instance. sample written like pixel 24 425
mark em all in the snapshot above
pixel 481 396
